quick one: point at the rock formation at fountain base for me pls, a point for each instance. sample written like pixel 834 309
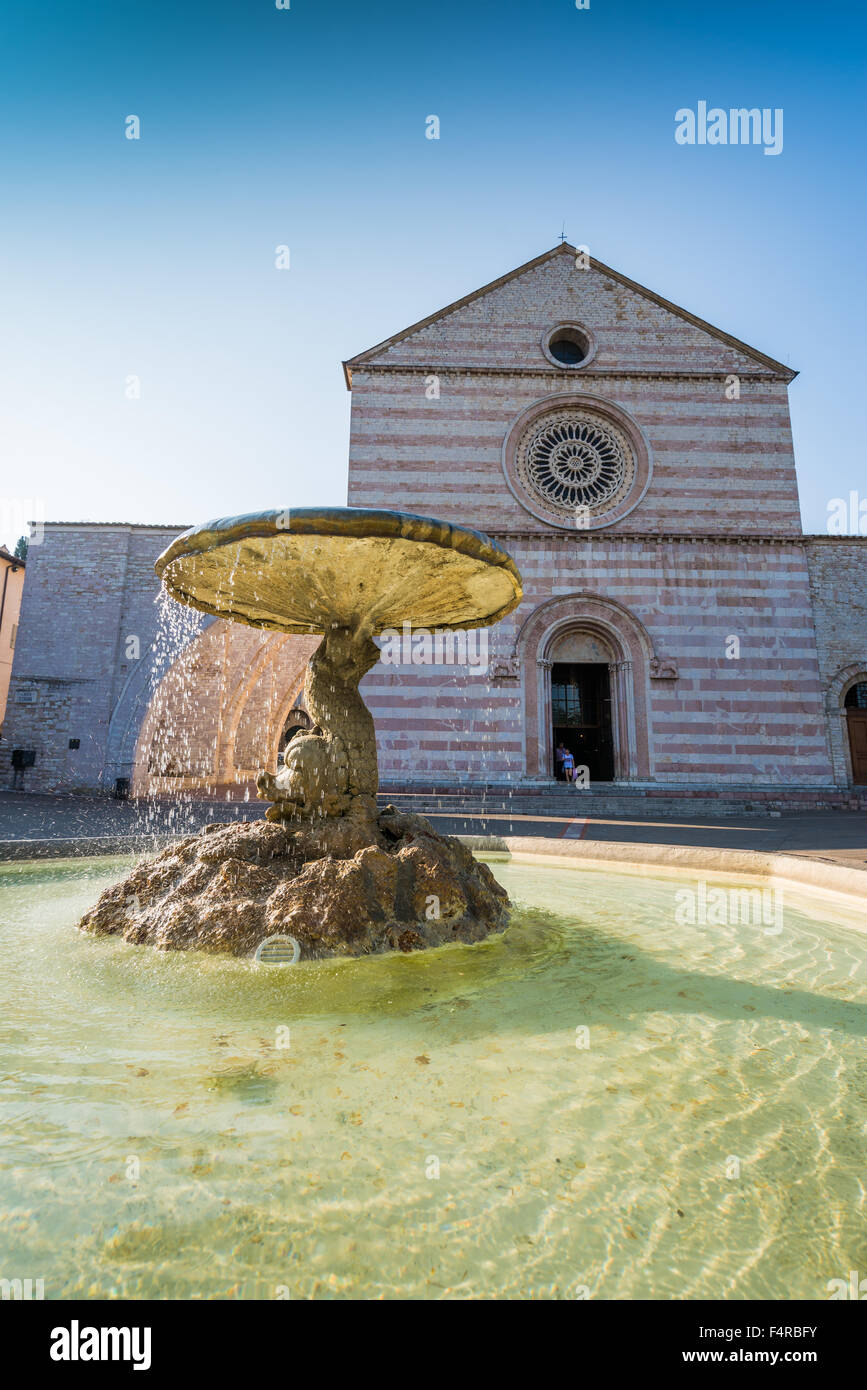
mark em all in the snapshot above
pixel 353 885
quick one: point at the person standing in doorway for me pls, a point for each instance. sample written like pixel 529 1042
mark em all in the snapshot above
pixel 560 753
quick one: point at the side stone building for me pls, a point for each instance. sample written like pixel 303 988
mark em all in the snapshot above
pixel 678 633
pixel 11 585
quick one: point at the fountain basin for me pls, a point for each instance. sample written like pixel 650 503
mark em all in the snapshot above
pixel 179 1124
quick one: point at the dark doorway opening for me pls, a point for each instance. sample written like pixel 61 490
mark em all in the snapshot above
pixel 856 718
pixel 581 716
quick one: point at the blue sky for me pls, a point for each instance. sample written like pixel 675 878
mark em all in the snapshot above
pixel 259 127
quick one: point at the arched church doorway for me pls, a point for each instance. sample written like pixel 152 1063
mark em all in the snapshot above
pixel 581 704
pixel 588 630
pixel 855 706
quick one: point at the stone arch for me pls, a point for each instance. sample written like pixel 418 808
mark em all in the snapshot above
pixel 252 723
pixel 215 718
pixel 626 639
pixel 133 702
pixel 838 731
pixel 296 721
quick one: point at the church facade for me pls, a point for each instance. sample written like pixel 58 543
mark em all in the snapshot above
pixel 677 627
pixel 678 630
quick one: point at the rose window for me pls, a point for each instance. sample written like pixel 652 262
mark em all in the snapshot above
pixel 573 461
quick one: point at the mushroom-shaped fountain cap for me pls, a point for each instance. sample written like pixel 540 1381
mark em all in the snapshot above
pixel 310 569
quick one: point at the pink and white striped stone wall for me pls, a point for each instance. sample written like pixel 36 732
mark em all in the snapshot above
pixel 757 718
pixel 713 551
pixel 720 465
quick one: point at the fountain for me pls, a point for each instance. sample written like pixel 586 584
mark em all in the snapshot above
pixel 325 866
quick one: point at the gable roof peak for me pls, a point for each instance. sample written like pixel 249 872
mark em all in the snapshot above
pixel 565 248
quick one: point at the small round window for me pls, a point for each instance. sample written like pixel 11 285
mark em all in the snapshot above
pixel 568 345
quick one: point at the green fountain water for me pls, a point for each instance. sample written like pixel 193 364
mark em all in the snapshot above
pixel 177 1125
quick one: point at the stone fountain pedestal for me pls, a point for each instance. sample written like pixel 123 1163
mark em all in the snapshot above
pixel 350 886
pixel 325 867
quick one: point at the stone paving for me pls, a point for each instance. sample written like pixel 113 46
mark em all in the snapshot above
pixel 836 837
pixel 33 816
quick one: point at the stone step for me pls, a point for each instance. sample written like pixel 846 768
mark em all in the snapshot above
pixel 633 802
pixel 554 799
